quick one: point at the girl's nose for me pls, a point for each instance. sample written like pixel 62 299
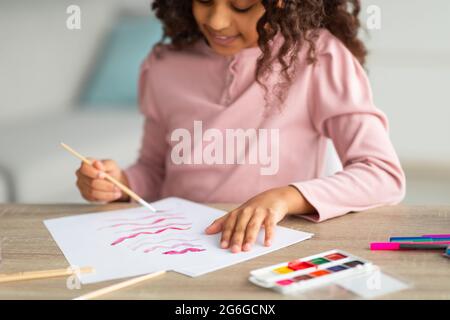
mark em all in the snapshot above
pixel 219 19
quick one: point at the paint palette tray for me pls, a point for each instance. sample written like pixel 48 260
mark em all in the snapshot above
pixel 313 271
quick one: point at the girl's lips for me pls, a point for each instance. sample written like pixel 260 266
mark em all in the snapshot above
pixel 222 40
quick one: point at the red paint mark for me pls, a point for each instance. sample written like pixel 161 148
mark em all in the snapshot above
pixel 143 243
pixel 170 247
pixel 146 217
pixel 299 265
pixel 121 239
pixel 184 251
pixel 141 224
pixel 160 226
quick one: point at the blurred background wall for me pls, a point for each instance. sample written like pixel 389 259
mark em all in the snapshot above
pixel 79 86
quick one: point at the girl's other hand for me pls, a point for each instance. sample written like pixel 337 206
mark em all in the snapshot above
pixel 240 227
pixel 92 183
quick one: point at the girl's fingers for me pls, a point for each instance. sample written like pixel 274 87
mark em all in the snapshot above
pixel 216 226
pixel 239 229
pixel 107 190
pixel 82 190
pixel 228 226
pixel 86 194
pixel 92 184
pixel 101 169
pixel 104 196
pixel 89 171
pixel 253 228
pixel 269 223
pixel 103 185
pixel 109 165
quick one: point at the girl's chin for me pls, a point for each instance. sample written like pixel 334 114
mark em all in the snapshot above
pixel 226 50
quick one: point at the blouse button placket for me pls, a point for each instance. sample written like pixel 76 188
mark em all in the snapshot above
pixel 231 73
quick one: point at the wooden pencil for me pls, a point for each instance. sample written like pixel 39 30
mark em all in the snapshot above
pixel 118 286
pixel 42 274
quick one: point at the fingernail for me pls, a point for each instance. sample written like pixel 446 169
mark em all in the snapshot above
pixel 224 244
pixel 101 175
pixel 247 246
pixel 235 248
pixel 268 243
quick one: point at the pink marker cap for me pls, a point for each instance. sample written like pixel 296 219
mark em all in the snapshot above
pixel 384 246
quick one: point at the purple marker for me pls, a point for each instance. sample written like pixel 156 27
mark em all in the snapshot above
pixel 436 236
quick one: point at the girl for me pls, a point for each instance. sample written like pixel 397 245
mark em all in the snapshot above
pixel 288 67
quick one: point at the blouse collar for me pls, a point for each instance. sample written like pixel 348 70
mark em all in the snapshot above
pixel 246 52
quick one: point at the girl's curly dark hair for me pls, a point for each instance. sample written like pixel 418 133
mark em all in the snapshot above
pixel 297 21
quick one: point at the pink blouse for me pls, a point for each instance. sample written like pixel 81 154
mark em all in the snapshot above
pixel 330 99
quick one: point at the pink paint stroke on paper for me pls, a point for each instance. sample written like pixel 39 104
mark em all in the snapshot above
pixel 140 224
pixel 155 227
pixel 134 235
pixel 171 247
pixel 145 217
pixel 143 243
pixel 184 251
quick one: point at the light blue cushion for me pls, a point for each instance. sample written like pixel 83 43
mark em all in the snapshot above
pixel 113 81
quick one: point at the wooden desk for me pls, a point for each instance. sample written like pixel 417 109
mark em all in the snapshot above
pixel 29 246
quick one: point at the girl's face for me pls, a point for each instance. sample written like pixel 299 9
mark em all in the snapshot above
pixel 228 25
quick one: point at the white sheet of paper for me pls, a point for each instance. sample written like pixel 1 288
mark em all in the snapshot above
pixel 132 242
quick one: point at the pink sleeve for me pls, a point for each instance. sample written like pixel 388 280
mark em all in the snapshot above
pixel 342 109
pixel 146 175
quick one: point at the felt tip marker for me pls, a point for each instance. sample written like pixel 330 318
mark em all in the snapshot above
pixel 376 246
pixel 436 235
pixel 417 239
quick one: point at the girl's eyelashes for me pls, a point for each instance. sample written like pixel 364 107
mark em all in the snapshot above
pixel 239 10
pixel 242 10
pixel 204 1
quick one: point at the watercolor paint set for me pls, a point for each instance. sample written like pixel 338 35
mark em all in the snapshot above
pixel 309 272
